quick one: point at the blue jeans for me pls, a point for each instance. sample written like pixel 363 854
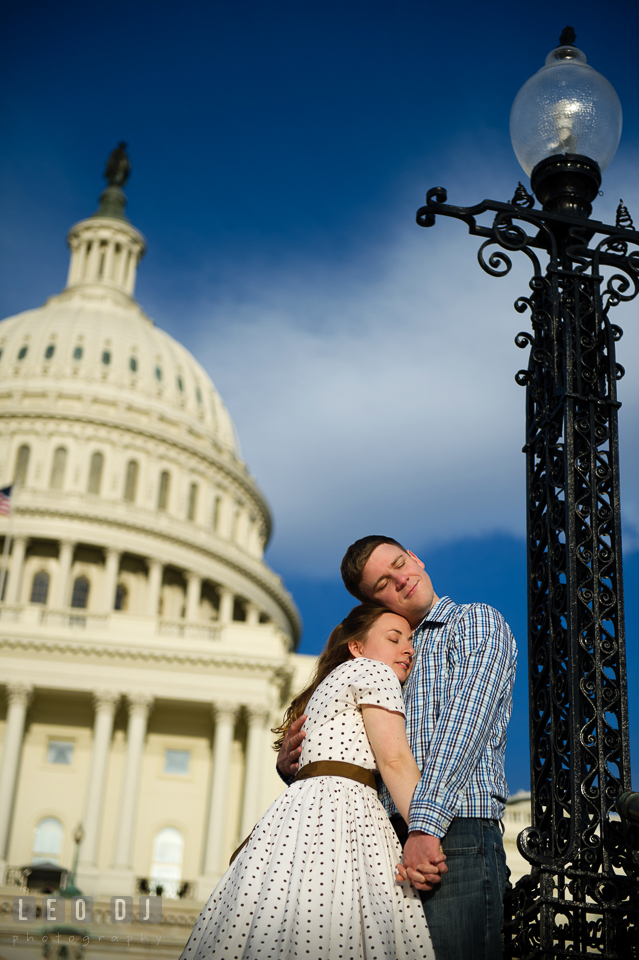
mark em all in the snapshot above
pixel 465 911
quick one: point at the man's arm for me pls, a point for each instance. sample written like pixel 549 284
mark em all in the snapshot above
pixel 288 757
pixel 478 687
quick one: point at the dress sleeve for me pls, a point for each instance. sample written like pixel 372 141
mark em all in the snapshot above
pixel 378 686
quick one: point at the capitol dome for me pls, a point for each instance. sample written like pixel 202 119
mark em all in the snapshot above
pixel 91 356
pixel 95 334
pixel 146 646
pixel 80 338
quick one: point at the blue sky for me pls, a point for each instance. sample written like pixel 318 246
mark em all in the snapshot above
pixel 279 152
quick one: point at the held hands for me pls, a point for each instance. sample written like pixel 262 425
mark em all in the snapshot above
pixel 287 758
pixel 423 861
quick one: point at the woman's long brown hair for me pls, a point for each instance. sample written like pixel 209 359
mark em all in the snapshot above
pixel 353 627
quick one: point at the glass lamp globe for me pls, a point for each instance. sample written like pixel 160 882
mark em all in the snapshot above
pixel 565 108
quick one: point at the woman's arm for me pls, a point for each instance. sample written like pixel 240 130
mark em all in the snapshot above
pixel 386 732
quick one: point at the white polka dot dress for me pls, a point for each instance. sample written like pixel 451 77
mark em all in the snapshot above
pixel 317 879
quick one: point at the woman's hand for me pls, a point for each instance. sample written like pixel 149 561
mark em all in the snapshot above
pixel 287 758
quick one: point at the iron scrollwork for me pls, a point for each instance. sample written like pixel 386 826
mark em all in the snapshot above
pixel 582 894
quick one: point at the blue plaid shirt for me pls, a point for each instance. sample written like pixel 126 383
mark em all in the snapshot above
pixel 458 704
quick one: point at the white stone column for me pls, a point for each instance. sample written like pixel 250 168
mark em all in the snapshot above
pixel 257 717
pixel 154 585
pixel 74 262
pixel 139 707
pixel 131 265
pixel 111 570
pixel 252 614
pixel 227 599
pixel 105 703
pixel 93 259
pixel 193 595
pixel 18 695
pixel 120 261
pixel 16 566
pixel 225 714
pixel 65 559
pixel 108 260
pixel 225 516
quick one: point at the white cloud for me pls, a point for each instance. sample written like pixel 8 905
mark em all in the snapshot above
pixel 381 397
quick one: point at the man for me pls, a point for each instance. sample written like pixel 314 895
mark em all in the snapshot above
pixel 459 700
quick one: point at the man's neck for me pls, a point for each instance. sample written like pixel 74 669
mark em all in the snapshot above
pixel 424 613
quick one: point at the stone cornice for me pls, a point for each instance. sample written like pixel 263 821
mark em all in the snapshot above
pixel 109 225
pixel 128 656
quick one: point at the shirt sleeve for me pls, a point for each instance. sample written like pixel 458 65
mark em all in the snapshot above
pixel 482 665
pixel 378 686
pixel 287 780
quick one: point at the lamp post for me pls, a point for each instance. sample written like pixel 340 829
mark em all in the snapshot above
pixel 71 890
pixel 582 894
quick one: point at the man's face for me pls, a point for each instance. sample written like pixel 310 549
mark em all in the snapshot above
pixel 398 581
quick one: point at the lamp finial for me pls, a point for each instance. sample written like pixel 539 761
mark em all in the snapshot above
pixel 568 37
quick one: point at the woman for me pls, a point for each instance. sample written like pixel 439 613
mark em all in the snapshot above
pixel 317 876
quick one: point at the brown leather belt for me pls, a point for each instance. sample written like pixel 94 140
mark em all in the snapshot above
pixel 336 768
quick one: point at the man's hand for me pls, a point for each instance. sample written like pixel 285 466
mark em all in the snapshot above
pixel 423 860
pixel 291 749
pixel 426 874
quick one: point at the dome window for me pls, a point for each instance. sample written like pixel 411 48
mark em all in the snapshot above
pixel 22 464
pixel 163 494
pixel 40 587
pixel 80 596
pixel 131 481
pixel 192 507
pixel 180 384
pixel 1 353
pixel 158 373
pixel 48 353
pixel 217 512
pixel 95 473
pixel 57 470
pixel 198 394
pixel 22 352
pixel 133 364
pixel 121 597
pixel 77 353
pixel 106 357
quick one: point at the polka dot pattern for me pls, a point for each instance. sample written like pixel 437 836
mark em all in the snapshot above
pixel 317 879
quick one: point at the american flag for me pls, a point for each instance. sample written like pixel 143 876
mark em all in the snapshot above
pixel 5 500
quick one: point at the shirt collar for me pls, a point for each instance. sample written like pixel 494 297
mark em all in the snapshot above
pixel 439 611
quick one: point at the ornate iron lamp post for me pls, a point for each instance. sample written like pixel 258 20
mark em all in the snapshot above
pixel 582 895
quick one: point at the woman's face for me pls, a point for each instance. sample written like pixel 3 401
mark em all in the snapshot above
pixel 388 640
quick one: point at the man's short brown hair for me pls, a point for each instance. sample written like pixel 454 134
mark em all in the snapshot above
pixel 356 558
